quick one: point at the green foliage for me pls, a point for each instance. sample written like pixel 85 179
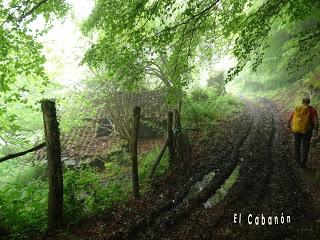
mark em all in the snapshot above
pixel 146 162
pixel 312 79
pixel 118 154
pixel 131 52
pixel 217 81
pixel 115 170
pixel 23 80
pixel 74 110
pixel 181 32
pixel 23 198
pixel 24 191
pixel 20 53
pixel 279 68
pixel 88 192
pixel 24 194
pixel 255 31
pixel 203 108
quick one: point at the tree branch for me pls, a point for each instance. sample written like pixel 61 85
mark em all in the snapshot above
pixel 156 163
pixel 198 15
pixel 35 7
pixel 14 155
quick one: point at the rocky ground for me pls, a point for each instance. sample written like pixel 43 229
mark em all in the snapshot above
pixel 276 198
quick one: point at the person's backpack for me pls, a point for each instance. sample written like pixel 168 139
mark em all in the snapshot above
pixel 301 120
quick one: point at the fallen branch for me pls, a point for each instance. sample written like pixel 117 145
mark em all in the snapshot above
pixel 14 155
pixel 156 163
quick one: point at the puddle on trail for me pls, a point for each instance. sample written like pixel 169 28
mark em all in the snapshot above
pixel 222 191
pixel 198 186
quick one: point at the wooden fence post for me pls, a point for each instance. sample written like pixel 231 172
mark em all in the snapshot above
pixel 52 137
pixel 134 152
pixel 170 137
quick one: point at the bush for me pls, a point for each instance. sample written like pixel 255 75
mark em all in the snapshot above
pixel 24 197
pixel 312 79
pixel 88 192
pixel 202 108
pixel 24 206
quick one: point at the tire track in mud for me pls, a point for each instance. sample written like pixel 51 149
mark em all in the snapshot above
pixel 254 175
pixel 257 171
pixel 289 196
pixel 268 184
pixel 166 213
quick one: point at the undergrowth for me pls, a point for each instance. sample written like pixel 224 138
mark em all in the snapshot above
pixel 87 192
pixel 203 108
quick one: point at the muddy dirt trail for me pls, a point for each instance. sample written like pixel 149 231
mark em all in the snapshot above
pixel 269 199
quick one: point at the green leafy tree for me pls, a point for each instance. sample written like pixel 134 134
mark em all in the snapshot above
pixel 22 76
pixel 217 81
pixel 20 53
pixel 130 32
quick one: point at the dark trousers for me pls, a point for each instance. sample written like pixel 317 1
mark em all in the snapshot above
pixel 304 140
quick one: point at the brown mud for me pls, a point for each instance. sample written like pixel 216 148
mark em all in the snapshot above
pixel 269 183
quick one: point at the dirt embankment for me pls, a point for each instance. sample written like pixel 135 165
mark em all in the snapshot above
pixel 271 193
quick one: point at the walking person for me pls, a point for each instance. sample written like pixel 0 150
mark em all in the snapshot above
pixel 303 122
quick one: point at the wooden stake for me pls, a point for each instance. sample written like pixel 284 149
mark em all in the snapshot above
pixel 158 159
pixel 134 151
pixel 52 136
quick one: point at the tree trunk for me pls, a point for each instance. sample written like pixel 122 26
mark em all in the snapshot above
pixel 181 142
pixel 52 136
pixel 134 152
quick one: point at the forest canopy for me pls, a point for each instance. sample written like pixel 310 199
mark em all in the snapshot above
pixel 145 44
pixel 23 78
pixel 169 36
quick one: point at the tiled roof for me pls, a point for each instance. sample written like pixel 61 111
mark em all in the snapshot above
pixel 93 141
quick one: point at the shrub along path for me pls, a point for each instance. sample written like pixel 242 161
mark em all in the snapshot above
pixel 272 195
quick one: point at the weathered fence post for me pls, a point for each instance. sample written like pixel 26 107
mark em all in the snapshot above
pixel 170 137
pixel 134 152
pixel 52 137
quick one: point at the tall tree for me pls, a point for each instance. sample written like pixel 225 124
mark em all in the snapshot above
pixel 20 53
pixel 21 60
pixel 129 32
